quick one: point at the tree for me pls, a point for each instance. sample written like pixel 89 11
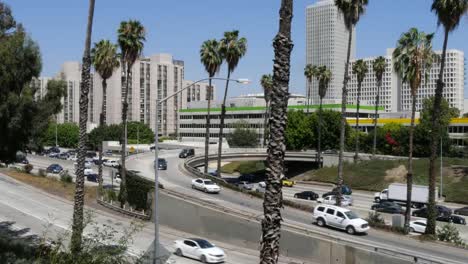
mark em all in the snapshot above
pixel 104 133
pixel 139 132
pixel 243 136
pixel 67 135
pixel 232 49
pixel 324 76
pixel 352 10
pixel 379 66
pixel 77 228
pixel 449 13
pixel 131 37
pixel 105 60
pixel 360 70
pixel 299 132
pixel 211 58
pixel 273 200
pixel 267 84
pixel 310 71
pixel 413 58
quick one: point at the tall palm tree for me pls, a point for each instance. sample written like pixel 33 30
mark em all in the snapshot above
pixel 211 59
pixel 77 227
pixel 131 37
pixel 232 49
pixel 449 13
pixel 310 71
pixel 273 199
pixel 413 58
pixel 324 76
pixel 379 66
pixel 352 10
pixel 267 84
pixel 360 70
pixel 105 60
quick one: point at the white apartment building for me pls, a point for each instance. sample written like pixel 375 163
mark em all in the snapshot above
pixel 327 44
pixel 40 84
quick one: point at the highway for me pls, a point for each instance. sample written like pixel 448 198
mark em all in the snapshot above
pixel 33 209
pixel 175 180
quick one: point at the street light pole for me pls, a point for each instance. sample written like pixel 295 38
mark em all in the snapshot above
pixel 441 164
pixel 157 257
pixel 56 138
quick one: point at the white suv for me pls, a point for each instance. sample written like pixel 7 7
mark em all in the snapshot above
pixel 340 218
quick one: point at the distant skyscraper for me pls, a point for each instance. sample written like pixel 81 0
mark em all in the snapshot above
pixel 327 44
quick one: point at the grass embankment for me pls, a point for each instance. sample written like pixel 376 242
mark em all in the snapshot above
pixel 51 185
pixel 244 167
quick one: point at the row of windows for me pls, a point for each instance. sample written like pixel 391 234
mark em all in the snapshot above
pixel 229 125
pixel 202 135
pixel 240 116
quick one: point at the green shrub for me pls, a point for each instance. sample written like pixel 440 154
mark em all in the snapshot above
pixel 449 233
pixel 65 177
pixel 28 168
pixel 42 173
pixel 375 219
pixel 111 195
pixel 138 189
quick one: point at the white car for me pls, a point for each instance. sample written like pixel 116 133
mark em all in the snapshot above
pixel 199 249
pixel 111 163
pixel 342 218
pixel 87 164
pixel 88 171
pixel 331 199
pixel 205 185
pixel 418 226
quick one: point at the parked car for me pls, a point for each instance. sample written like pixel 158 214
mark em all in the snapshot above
pixel 23 160
pixel 331 199
pixel 245 185
pixel 200 249
pixel 63 156
pixel 329 193
pixel 111 163
pixel 441 211
pixel 345 189
pixel 185 153
pixel 92 177
pixel 342 218
pixel 53 150
pixel 162 164
pixel 53 155
pixel 418 226
pixel 388 207
pixel 54 168
pixel 205 185
pixel 461 211
pixel 308 195
pixel 252 178
pixel 288 183
pixel 456 219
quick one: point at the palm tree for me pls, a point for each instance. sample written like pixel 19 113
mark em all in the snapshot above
pixel 77 227
pixel 379 66
pixel 267 84
pixel 273 199
pixel 449 13
pixel 324 76
pixel 310 71
pixel 360 70
pixel 232 49
pixel 352 11
pixel 105 60
pixel 211 59
pixel 131 35
pixel 413 57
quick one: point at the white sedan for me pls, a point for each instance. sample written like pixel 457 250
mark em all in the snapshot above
pixel 205 185
pixel 331 199
pixel 200 249
pixel 111 163
pixel 418 226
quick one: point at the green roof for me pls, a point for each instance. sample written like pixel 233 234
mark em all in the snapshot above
pixel 298 107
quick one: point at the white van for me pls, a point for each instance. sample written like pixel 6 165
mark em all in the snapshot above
pixel 342 218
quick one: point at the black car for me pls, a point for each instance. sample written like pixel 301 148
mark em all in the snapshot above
pixel 345 189
pixel 92 177
pixel 162 164
pixel 54 168
pixel 63 156
pixel 308 195
pixel 388 207
pixel 456 219
pixel 441 211
pixel 53 150
pixel 185 153
pixel 461 211
pixel 23 160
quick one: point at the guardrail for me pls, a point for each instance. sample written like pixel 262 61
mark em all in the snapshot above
pixel 135 214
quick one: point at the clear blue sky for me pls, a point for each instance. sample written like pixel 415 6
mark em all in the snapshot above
pixel 180 26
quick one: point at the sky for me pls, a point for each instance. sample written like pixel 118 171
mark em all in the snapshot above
pixel 179 27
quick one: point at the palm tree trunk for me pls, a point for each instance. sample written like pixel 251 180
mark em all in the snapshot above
pixel 356 154
pixel 409 175
pixel 343 119
pixel 123 170
pixel 273 199
pixel 309 92
pixel 374 146
pixel 265 123
pixel 77 228
pixel 319 128
pixel 221 125
pixel 101 123
pixel 431 220
pixel 207 133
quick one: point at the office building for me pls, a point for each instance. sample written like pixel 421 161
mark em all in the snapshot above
pixel 327 44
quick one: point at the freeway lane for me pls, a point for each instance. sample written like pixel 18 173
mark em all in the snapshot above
pixel 31 208
pixel 174 179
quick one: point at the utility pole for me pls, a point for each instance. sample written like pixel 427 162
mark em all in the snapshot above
pixel 56 138
pixel 441 164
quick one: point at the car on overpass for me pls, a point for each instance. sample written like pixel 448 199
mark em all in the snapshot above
pixel 186 153
pixel 288 183
pixel 341 218
pixel 200 249
pixel 388 207
pixel 461 211
pixel 456 219
pixel 418 226
pixel 307 195
pixel 331 199
pixel 111 163
pixel 162 164
pixel 205 185
pixel 54 168
pixel 441 211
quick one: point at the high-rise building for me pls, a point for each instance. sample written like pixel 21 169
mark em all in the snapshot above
pixel 40 85
pixel 327 44
pixel 395 96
